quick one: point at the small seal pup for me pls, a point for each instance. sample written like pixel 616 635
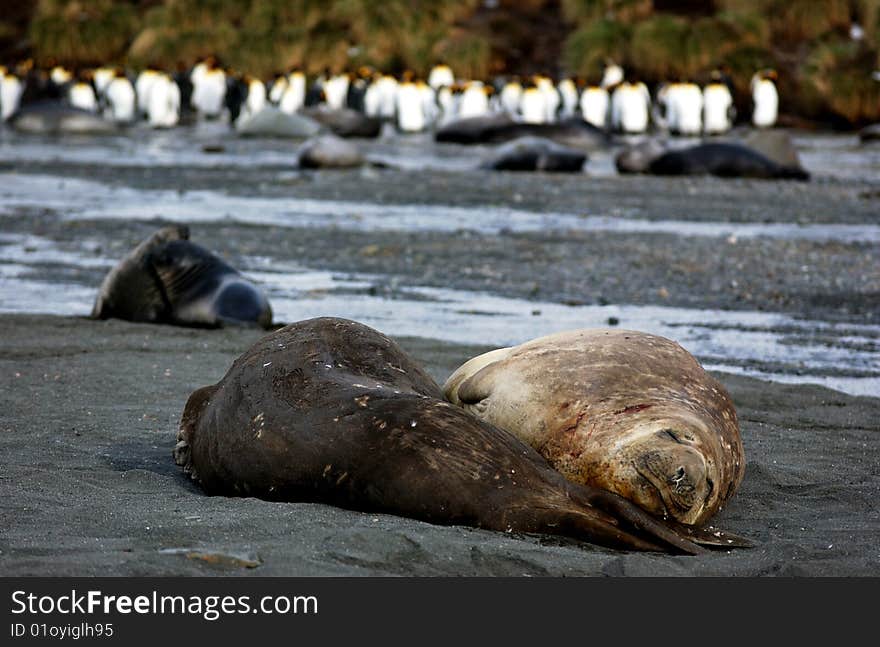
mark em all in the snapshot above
pixel 329 410
pixel 626 411
pixel 168 279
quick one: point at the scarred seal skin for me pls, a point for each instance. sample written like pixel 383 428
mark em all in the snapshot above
pixel 622 410
pixel 329 410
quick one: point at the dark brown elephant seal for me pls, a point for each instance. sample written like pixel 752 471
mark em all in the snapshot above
pixel 329 410
pixel 621 410
pixel 168 279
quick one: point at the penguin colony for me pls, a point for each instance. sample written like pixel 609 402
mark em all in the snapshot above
pixel 209 91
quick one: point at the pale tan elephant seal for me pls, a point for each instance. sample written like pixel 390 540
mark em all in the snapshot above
pixel 621 410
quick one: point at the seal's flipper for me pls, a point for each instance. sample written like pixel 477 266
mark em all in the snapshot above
pixel 636 525
pixel 715 538
pixel 182 452
pixel 471 382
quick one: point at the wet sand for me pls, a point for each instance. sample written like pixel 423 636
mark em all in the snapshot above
pixel 90 413
pixel 833 280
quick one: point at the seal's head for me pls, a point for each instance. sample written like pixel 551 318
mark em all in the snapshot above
pixel 240 302
pixel 628 412
pixel 638 157
pixel 664 467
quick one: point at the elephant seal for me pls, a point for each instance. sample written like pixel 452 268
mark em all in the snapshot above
pixel 637 158
pixel 775 145
pixel 52 117
pixel 472 130
pixel 535 154
pixel 626 411
pixel 344 122
pixel 498 129
pixel 329 410
pixel 724 159
pixel 272 122
pixel 168 279
pixel 870 133
pixel 329 151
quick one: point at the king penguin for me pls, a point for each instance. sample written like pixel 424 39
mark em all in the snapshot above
pixel 11 89
pixel 594 105
pixel 142 87
pixel 102 77
pixel 293 92
pixel 336 90
pixel 121 98
pixel 765 99
pixel 552 99
pixel 410 105
pixel 510 95
pixel 532 104
pixel 474 100
pixel 163 108
pixel 256 95
pixel 355 98
pixel 630 107
pixel 568 91
pixel 685 108
pixel 81 93
pixel 718 108
pixel 209 89
pixel 441 75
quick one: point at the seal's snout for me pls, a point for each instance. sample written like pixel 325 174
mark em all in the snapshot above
pixel 679 473
pixel 241 303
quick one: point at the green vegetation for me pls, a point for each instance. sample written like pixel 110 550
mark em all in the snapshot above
pixel 264 36
pixel 823 73
pixel 87 33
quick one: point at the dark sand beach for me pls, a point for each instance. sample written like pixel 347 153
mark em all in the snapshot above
pixel 90 413
pixel 769 279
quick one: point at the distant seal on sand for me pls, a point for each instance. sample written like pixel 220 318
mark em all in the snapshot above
pixel 535 154
pixel 329 151
pixel 638 157
pixel 272 122
pixel 168 279
pixel 329 410
pixel 775 145
pixel 497 129
pixel 870 133
pixel 723 159
pixel 344 122
pixel 626 411
pixel 52 117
